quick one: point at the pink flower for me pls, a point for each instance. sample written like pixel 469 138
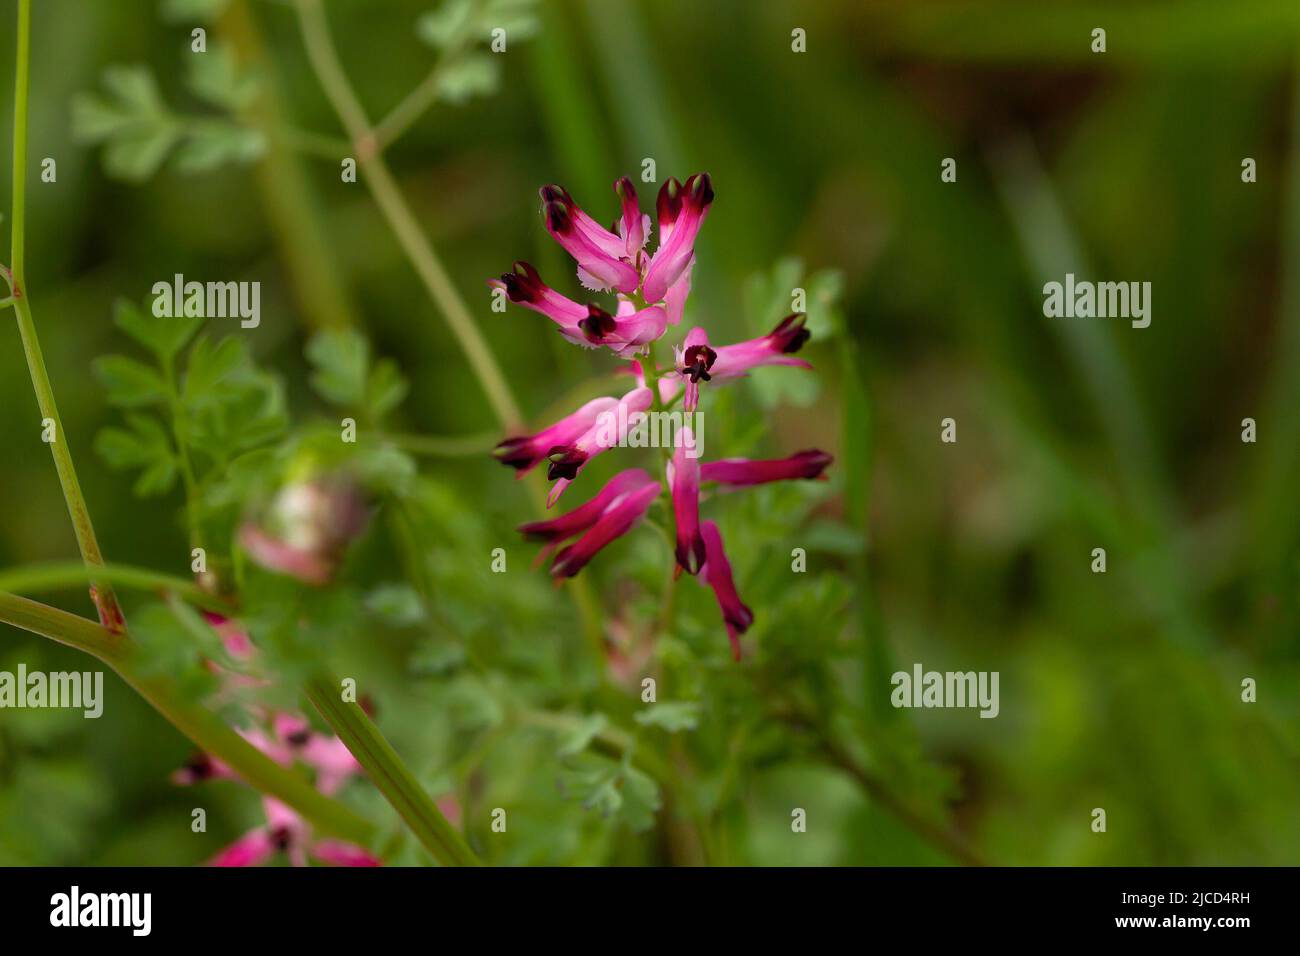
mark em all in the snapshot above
pixel 614 510
pixel 306 529
pixel 694 359
pixel 717 575
pixel 324 753
pixel 525 452
pixel 600 254
pixel 775 348
pixel 525 287
pixel 289 833
pixel 745 471
pixel 651 290
pixel 681 214
pixel 684 480
pixel 608 431
pixel 574 522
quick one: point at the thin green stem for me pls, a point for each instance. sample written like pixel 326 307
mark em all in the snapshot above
pixel 110 613
pixel 6 302
pixel 414 105
pixel 207 731
pixel 390 774
pixel 383 187
pixel 37 578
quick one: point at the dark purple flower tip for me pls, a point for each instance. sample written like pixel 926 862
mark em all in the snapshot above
pixel 669 204
pixel 565 462
pixel 597 324
pixel 812 462
pixel 691 559
pixel 198 768
pixel 790 335
pixel 626 191
pixel 699 190
pixel 553 193
pixel 697 361
pixel 515 452
pixel 558 219
pixel 524 284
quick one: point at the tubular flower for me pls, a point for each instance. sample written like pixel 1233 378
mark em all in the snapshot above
pixel 717 575
pixel 608 431
pixel 684 481
pixel 525 452
pixel 745 471
pixel 650 291
pixel 775 348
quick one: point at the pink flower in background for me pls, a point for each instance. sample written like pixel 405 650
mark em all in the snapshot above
pixel 286 832
pixel 306 529
pixel 650 290
pixel 287 739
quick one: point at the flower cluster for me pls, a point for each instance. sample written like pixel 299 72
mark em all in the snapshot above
pixel 650 290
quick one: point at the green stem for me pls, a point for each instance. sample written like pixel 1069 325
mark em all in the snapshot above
pixel 389 774
pixel 208 732
pixel 389 129
pixel 110 613
pixel 387 195
pixel 64 574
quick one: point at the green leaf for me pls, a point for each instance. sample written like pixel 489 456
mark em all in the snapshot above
pixel 446 26
pixel 218 144
pixel 161 335
pixel 341 359
pixel 146 446
pixel 469 75
pixel 214 77
pixel 209 368
pixel 612 790
pixel 135 158
pixel 396 604
pixel 672 716
pixel 130 383
pixel 385 389
pixel 573 742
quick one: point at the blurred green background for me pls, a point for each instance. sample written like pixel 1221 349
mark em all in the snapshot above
pixel 1119 690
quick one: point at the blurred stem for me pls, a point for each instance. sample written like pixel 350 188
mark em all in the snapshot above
pixel 65 574
pixel 420 252
pixel 384 189
pixel 414 105
pixel 110 613
pixel 946 840
pixel 290 205
pixel 389 774
pixel 207 731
